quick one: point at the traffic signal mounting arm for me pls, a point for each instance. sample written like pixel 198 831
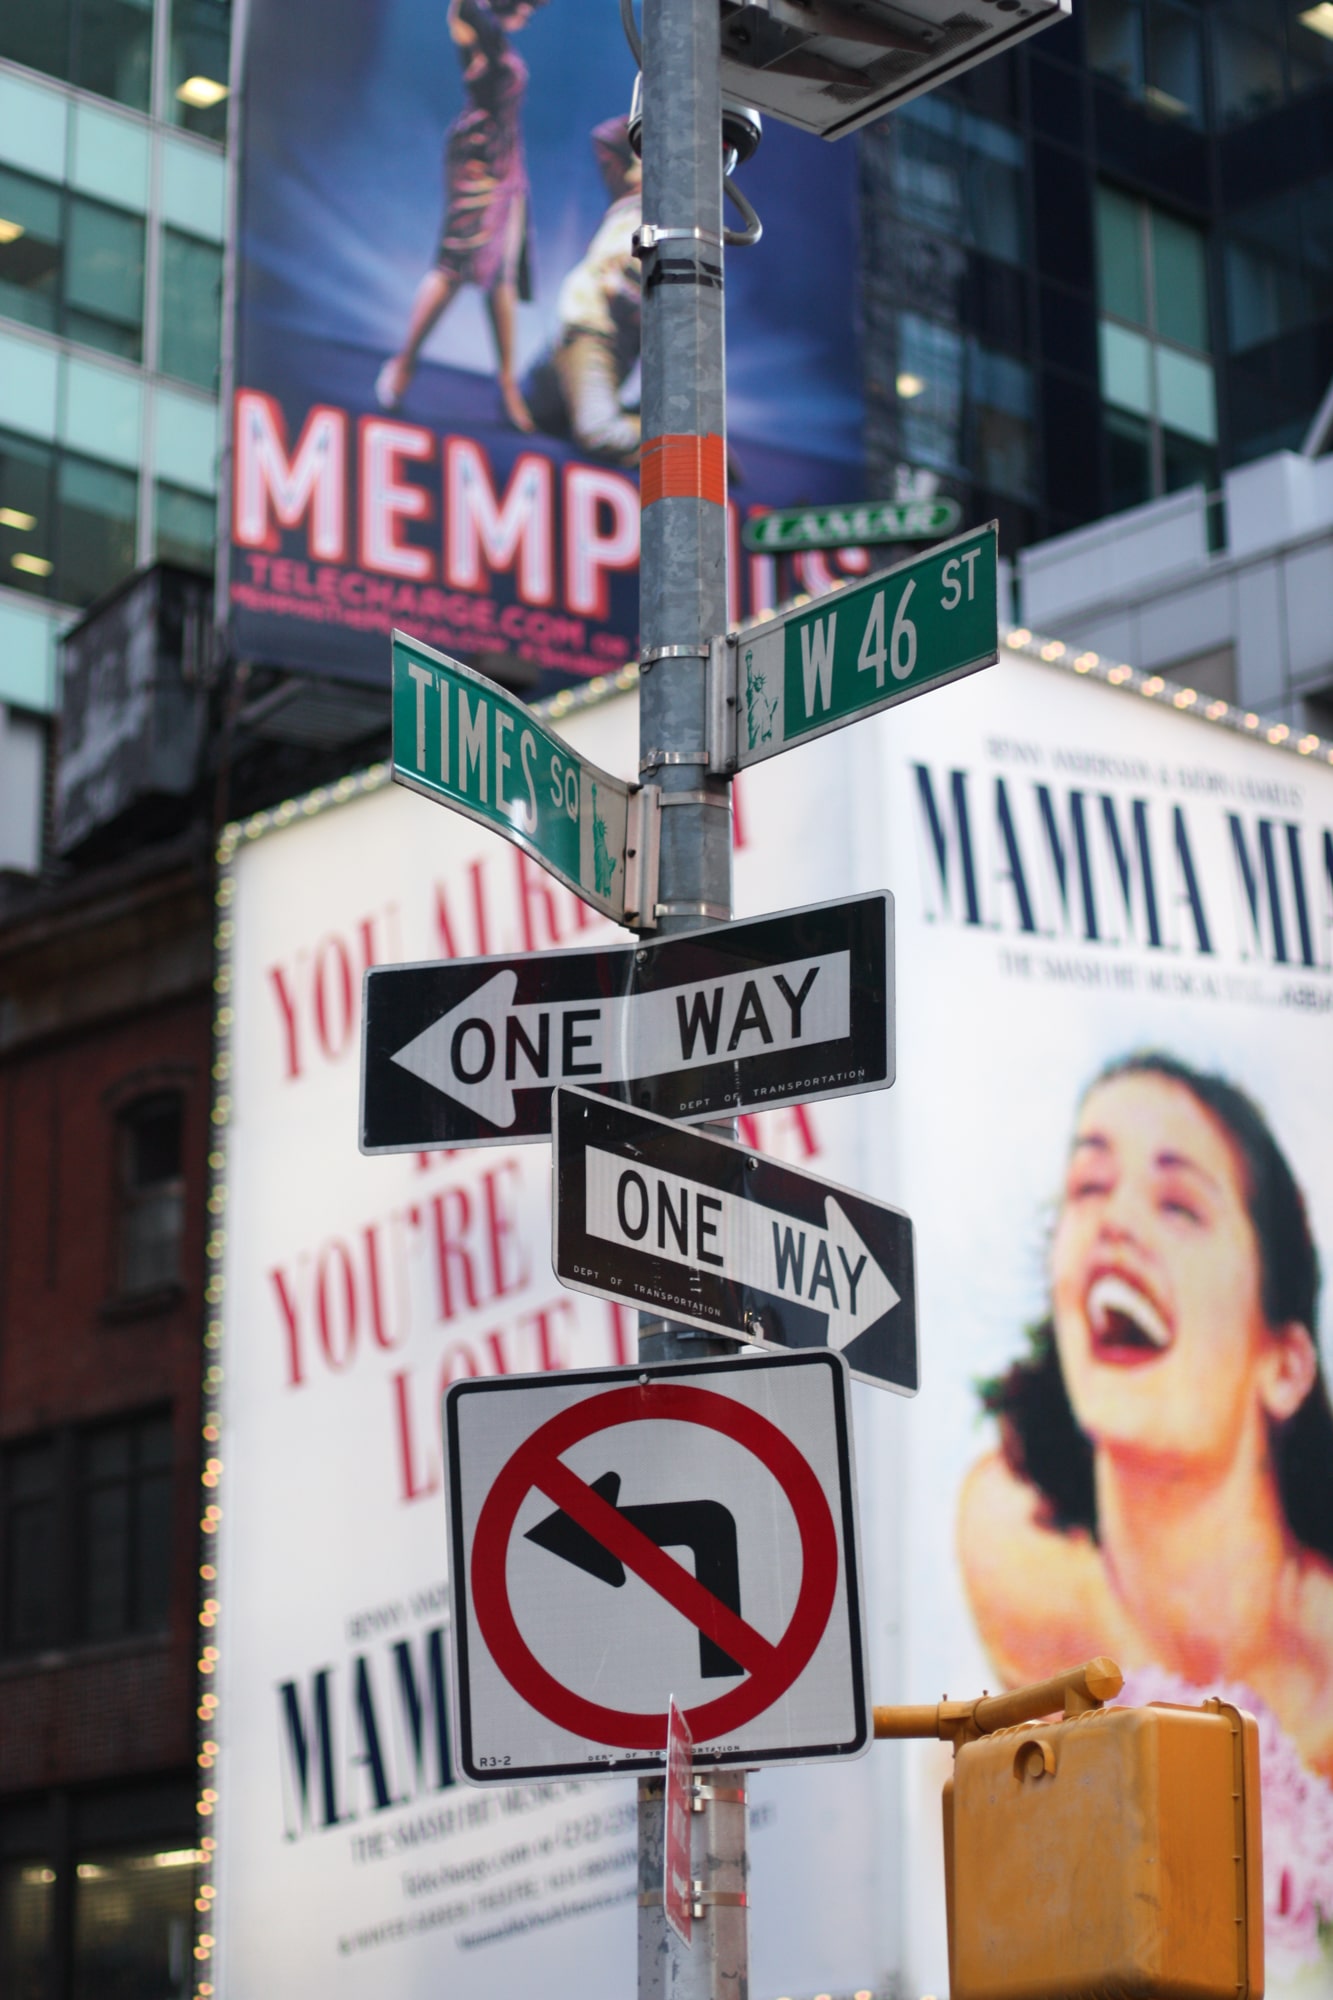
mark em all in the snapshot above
pixel 1075 1691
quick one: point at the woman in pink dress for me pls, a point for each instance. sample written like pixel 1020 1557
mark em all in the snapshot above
pixel 484 237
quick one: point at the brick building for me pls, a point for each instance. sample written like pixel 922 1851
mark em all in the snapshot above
pixel 104 1098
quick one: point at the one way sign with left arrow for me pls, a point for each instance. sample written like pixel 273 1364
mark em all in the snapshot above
pixel 703 1231
pixel 774 1010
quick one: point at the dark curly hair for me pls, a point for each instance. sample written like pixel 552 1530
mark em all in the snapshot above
pixel 1039 1434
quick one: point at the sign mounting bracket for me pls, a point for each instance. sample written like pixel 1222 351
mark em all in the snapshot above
pixel 643 847
pixel 722 654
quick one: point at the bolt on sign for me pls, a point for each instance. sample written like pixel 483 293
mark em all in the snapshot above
pixel 466 742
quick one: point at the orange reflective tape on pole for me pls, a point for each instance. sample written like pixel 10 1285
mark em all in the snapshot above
pixel 682 466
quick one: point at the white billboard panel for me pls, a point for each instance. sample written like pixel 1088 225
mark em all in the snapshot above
pixel 1121 1444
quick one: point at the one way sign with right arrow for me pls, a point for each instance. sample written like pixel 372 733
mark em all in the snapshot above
pixel 675 1221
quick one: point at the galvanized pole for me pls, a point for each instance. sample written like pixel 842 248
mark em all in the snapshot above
pixel 683 603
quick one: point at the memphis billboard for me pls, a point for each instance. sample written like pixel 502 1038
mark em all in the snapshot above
pixel 1110 1127
pixel 433 374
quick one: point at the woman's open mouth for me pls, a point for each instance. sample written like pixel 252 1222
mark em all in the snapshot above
pixel 1127 1327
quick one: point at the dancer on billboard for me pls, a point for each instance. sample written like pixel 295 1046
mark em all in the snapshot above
pixel 1163 1490
pixel 484 237
pixel 576 389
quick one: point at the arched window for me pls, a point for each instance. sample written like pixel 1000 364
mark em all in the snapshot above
pixel 151 1192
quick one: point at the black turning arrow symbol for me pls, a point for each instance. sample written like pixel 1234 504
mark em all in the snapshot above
pixel 705 1527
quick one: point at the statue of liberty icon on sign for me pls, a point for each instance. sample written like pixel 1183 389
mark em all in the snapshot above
pixel 603 861
pixel 759 708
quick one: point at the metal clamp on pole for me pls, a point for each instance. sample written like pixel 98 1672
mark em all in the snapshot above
pixel 649 234
pixel 713 913
pixel 724 1899
pixel 722 656
pixel 650 655
pixel 643 846
pixel 718 801
pixel 657 760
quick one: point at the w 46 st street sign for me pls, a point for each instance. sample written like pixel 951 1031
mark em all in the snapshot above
pixel 464 741
pixel 860 649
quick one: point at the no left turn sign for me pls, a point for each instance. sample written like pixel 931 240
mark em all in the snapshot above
pixel 619 1536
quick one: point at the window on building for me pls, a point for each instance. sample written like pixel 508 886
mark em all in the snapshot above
pixel 1156 376
pixel 85 1535
pixel 27 1913
pixel 38 37
pixel 961 176
pixel 963 409
pixel 27 1899
pixel 1000 398
pixel 113 50
pixel 98 506
pixel 97 1894
pixel 27 514
pixel 1154 51
pixel 185 527
pixel 124 1528
pixel 133 1924
pixel 200 41
pixel 70 265
pixel 1279 265
pixel 1310 44
pixel 191 308
pixel 67 524
pixel 104 46
pixel 1247 68
pixel 31 1551
pixel 152 1192
pixel 104 256
pixel 31 236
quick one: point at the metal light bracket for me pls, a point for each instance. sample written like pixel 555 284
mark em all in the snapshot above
pixel 829 66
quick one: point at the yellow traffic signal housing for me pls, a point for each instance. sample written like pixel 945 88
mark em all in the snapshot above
pixel 1114 1855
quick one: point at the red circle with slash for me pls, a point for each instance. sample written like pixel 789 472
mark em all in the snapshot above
pixel 770 1668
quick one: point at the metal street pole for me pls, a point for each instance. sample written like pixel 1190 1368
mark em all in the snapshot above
pixel 683 603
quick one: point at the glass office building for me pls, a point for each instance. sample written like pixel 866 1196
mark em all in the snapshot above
pixel 112 117
pixel 1100 269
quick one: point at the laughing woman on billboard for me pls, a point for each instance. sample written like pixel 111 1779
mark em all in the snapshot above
pixel 484 238
pixel 1163 1490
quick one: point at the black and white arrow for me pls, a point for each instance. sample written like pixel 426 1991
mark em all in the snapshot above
pixel 705 1527
pixel 490 1045
pixel 827 1268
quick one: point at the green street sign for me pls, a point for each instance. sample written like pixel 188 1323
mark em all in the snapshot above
pixel 863 648
pixel 788 530
pixel 465 741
